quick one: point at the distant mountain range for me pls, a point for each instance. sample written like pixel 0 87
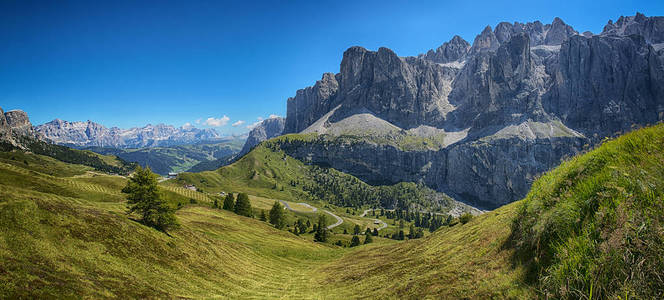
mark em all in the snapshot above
pixel 91 134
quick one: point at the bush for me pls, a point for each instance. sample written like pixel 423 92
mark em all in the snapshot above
pixel 465 218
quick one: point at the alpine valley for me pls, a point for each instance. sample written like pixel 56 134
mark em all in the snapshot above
pixel 528 164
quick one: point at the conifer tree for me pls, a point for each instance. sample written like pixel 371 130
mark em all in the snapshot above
pixel 368 238
pixel 375 232
pixel 143 197
pixel 357 229
pixel 263 217
pixel 229 202
pixel 277 215
pixel 355 241
pixel 401 236
pixel 321 230
pixel 243 206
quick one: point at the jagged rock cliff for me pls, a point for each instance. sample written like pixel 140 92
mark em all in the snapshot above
pixel 266 130
pixel 490 116
pixel 14 126
pixel 91 134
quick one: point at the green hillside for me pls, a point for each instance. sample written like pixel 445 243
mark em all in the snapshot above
pixel 64 233
pixel 595 225
pixel 267 171
pixel 595 222
pixel 104 163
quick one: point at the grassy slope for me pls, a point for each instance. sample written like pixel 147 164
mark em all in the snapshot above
pixel 66 234
pixel 595 223
pixel 70 239
pixel 468 260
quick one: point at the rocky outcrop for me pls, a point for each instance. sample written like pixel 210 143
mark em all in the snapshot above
pixel 5 130
pixel 486 173
pixel 266 130
pixel 15 127
pixel 311 103
pixel 650 28
pixel 91 134
pixel 606 83
pixel 456 49
pixel 19 123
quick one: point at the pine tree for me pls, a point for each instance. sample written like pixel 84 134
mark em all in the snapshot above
pixel 215 203
pixel 411 232
pixel 375 232
pixel 229 202
pixel 243 206
pixel 143 197
pixel 401 235
pixel 357 229
pixel 321 229
pixel 355 241
pixel 368 238
pixel 263 217
pixel 302 225
pixel 277 215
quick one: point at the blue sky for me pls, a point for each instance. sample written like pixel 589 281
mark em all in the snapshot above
pixel 130 63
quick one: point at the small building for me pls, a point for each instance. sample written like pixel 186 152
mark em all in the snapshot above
pixel 223 194
pixel 376 222
pixel 172 175
pixel 190 187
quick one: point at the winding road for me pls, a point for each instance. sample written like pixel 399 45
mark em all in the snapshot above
pixel 383 225
pixel 314 209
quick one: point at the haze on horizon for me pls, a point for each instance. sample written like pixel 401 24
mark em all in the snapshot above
pixel 218 64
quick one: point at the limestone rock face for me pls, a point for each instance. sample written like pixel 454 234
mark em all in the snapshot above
pixel 485 41
pixel 15 128
pixel 456 49
pixel 266 130
pixel 311 103
pixel 19 122
pixel 509 107
pixel 650 28
pixel 5 130
pixel 606 83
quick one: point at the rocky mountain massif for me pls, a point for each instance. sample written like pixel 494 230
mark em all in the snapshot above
pixel 14 125
pixel 91 134
pixel 481 121
pixel 265 130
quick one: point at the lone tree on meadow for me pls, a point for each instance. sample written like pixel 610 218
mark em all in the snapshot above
pixel 143 197
pixel 243 206
pixel 321 229
pixel 355 241
pixel 277 215
pixel 229 202
pixel 356 229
